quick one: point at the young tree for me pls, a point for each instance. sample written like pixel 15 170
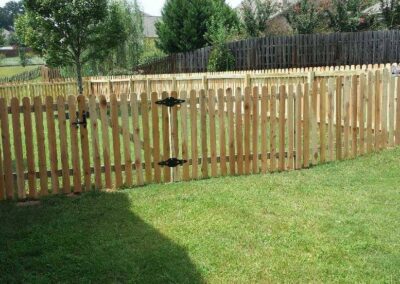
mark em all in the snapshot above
pixel 347 16
pixel 184 23
pixel 304 17
pixel 70 33
pixel 255 15
pixel 391 13
pixel 221 57
pixel 2 38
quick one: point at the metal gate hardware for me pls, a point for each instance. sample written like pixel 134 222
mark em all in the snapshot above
pixel 172 163
pixel 78 122
pixel 170 102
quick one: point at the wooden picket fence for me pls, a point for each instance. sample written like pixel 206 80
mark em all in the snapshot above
pixel 159 83
pixel 77 144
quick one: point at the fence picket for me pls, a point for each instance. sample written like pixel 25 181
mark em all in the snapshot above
pixel 231 131
pixel 239 130
pixel 30 154
pixel 306 128
pixel 136 140
pixel 299 124
pixel 19 159
pixel 354 115
pixel 272 128
pixel 76 166
pixel 222 131
pixel 203 124
pixel 264 133
pixel 213 133
pixel 95 141
pixel 126 140
pixel 193 133
pixel 105 126
pixel 247 129
pixel 184 134
pixel 156 137
pixel 282 127
pixel 290 120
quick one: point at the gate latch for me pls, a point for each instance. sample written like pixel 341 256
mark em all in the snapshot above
pixel 82 122
pixel 172 163
pixel 170 102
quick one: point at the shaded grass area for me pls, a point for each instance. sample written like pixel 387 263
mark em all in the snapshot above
pixel 338 222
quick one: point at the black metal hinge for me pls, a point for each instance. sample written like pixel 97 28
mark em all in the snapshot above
pixel 82 122
pixel 170 102
pixel 172 163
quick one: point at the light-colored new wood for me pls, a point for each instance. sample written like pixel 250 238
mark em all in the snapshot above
pixel 361 113
pixel 203 127
pixel 392 91
pixel 136 140
pixel 299 124
pixel 306 128
pixel 314 122
pixel 156 136
pixel 378 108
pixel 114 111
pixel 247 130
pixel 290 127
pixel 255 137
pixel 282 127
pixel 76 165
pixel 166 139
pixel 213 133
pixel 51 141
pixel 19 159
pixel 397 134
pixel 322 119
pixel 239 131
pixel 193 134
pixel 231 131
pixel 94 123
pixel 385 108
pixel 339 122
pixel 222 131
pixel 354 116
pixel 106 140
pixel 126 140
pixel 272 129
pixel 146 137
pixel 184 135
pixel 346 103
pixel 30 154
pixel 331 119
pixel 7 160
pixel 370 111
pixel 264 133
pixel 82 109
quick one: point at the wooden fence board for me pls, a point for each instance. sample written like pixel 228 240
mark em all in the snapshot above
pixel 95 141
pixel 193 132
pixel 184 134
pixel 114 112
pixel 30 155
pixel 264 133
pixel 272 128
pixel 106 140
pixel 231 131
pixel 299 124
pixel 19 159
pixel 203 124
pixel 247 130
pixel 82 109
pixel 282 127
pixel 156 136
pixel 222 131
pixel 239 131
pixel 213 132
pixel 76 165
pixel 126 140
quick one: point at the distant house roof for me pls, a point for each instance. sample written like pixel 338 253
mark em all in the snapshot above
pixel 7 48
pixel 149 25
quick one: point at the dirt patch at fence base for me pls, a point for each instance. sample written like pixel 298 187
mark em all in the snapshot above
pixel 28 203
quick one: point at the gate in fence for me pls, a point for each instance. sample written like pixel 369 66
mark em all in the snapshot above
pixel 77 144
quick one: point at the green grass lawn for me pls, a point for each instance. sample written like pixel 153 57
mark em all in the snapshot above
pixel 14 70
pixel 339 222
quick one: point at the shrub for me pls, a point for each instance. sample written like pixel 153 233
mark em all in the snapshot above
pixel 221 59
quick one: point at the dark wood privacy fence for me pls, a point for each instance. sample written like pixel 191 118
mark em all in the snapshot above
pixel 373 47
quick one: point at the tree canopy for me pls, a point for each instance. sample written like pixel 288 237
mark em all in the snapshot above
pixel 185 23
pixel 9 12
pixel 255 15
pixel 69 32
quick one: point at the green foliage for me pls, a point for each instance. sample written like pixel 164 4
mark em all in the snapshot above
pixel 71 33
pixel 2 57
pixel 3 40
pixel 185 23
pixel 347 16
pixel 150 52
pixel 391 13
pixel 23 58
pixel 304 17
pixel 221 59
pixel 255 16
pixel 218 34
pixel 9 13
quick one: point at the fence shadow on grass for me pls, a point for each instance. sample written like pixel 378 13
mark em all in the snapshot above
pixel 94 238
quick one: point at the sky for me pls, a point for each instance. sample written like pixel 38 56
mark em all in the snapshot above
pixel 152 7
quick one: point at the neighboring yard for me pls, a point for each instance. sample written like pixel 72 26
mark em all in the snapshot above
pixel 14 70
pixel 338 222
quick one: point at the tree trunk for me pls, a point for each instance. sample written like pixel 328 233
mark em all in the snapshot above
pixel 79 76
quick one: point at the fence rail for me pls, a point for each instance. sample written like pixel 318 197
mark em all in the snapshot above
pixel 372 47
pixel 75 144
